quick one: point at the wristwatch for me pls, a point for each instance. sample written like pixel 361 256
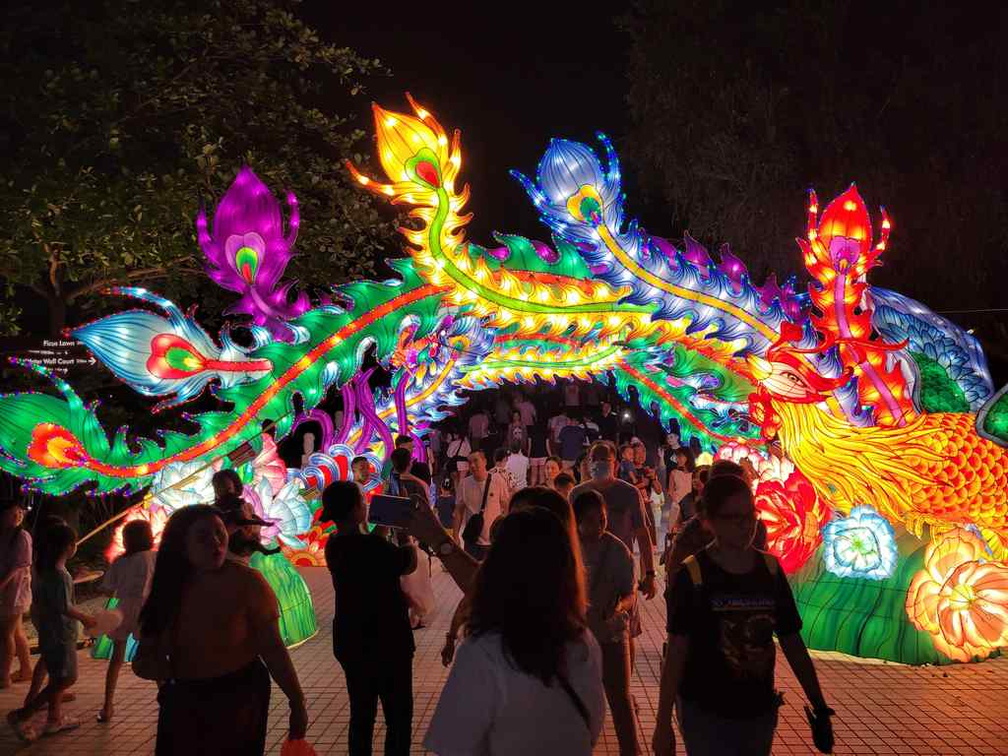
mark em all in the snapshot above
pixel 445 548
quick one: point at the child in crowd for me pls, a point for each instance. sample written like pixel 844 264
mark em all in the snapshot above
pixel 445 505
pixel 611 595
pixel 129 580
pixel 15 591
pixel 53 596
pixel 627 470
pixel 564 484
pixel 39 674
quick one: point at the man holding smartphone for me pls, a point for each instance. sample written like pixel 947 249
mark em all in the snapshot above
pixel 372 637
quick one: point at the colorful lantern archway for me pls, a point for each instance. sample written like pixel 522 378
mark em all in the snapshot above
pixel 889 506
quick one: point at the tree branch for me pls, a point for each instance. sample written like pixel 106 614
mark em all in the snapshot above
pixel 132 275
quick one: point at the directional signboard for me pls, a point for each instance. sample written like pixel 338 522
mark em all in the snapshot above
pixel 60 355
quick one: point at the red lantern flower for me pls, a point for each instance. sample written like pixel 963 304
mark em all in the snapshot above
pixel 794 517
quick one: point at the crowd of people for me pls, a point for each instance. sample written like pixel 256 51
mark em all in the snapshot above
pixel 540 520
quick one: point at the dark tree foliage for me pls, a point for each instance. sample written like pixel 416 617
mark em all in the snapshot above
pixel 120 116
pixel 738 108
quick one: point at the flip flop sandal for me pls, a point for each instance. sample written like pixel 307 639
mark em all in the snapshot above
pixel 103 716
pixel 22 727
pixel 63 725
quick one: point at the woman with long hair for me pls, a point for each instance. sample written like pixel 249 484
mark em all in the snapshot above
pixel 528 678
pixel 217 621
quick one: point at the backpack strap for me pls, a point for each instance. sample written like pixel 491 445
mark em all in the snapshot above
pixel 771 563
pixel 693 568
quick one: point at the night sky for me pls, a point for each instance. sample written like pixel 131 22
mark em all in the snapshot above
pixel 509 76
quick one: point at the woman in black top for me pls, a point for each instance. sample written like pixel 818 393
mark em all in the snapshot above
pixel 538 452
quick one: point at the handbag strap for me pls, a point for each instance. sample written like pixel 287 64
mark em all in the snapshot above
pixel 575 699
pixel 599 568
pixel 486 492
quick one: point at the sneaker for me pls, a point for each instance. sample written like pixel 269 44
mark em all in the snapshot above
pixel 62 725
pixel 22 727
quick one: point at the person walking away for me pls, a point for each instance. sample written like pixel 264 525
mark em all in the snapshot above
pixel 518 466
pixel 725 606
pixel 215 622
pixel 556 424
pixel 434 442
pixel 457 451
pixel 502 411
pixel 538 453
pixel 15 592
pixel 611 595
pixel 58 618
pixel 479 426
pixel 445 505
pixel 402 482
pixel 571 394
pixel 372 639
pixel 564 484
pixel 572 442
pixel 421 470
pixel 129 581
pixel 528 412
pixel 480 500
pixel 527 678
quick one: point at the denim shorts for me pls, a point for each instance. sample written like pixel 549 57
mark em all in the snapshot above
pixel 705 733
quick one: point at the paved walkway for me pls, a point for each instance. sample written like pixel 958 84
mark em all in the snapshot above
pixel 882 708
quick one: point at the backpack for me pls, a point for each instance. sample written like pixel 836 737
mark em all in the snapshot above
pixel 696 575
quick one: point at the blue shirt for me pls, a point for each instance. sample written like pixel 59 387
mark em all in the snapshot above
pixel 572 440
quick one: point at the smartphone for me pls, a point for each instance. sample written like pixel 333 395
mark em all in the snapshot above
pixel 390 511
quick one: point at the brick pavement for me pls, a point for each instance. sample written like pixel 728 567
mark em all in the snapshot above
pixel 882 708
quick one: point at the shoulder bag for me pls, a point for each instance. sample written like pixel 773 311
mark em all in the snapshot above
pixel 472 530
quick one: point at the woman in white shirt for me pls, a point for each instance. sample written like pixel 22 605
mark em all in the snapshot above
pixel 528 678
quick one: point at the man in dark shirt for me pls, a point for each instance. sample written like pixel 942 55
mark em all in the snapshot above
pixel 419 469
pixel 372 639
pixel 608 423
pixel 572 440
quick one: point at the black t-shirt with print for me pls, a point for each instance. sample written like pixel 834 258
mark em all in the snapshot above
pixel 371 610
pixel 730 621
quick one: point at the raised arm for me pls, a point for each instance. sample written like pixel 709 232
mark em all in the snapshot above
pixel 424 526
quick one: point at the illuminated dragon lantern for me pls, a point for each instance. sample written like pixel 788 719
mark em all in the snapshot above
pixel 886 497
